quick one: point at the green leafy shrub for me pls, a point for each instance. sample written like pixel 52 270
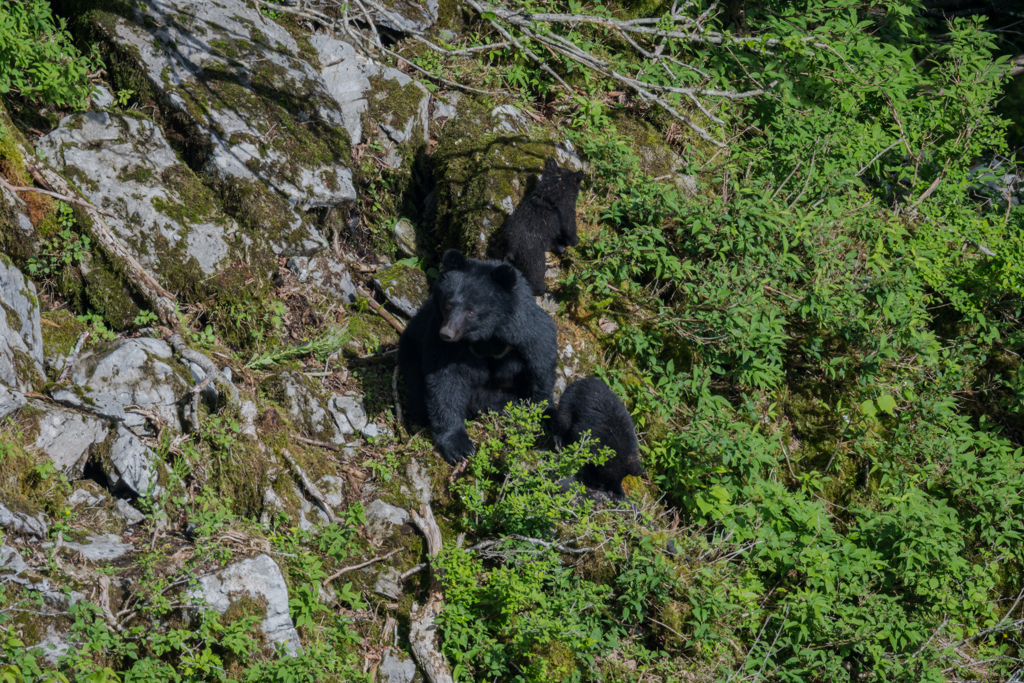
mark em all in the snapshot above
pixel 37 58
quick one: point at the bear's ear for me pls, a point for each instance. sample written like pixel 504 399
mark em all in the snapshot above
pixel 550 165
pixel 505 275
pixel 578 177
pixel 453 260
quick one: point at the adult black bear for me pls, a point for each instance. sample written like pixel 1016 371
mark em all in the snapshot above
pixel 588 404
pixel 477 343
pixel 544 221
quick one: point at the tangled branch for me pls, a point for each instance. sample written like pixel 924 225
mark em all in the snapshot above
pixel 504 21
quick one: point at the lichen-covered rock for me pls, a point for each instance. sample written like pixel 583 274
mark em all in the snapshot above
pixel 52 646
pixel 130 515
pixel 21 340
pixel 101 98
pixel 325 272
pixel 333 489
pixel 376 100
pixel 405 287
pixel 14 522
pixel 396 667
pixel 132 372
pixel 382 518
pixel 263 122
pixel 100 547
pixel 10 401
pixel 165 216
pixel 389 583
pixel 305 406
pixel 407 15
pixel 258 578
pixel 406 239
pixel 350 416
pixel 486 159
pixel 17 235
pixel 132 465
pixel 68 438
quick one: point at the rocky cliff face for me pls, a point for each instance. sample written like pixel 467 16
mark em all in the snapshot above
pixel 240 171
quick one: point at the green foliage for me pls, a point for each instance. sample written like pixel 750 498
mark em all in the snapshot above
pixel 319 348
pixel 800 354
pixel 66 248
pixel 37 58
pixel 526 614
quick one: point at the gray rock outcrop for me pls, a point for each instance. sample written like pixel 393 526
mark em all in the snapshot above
pixel 382 518
pixel 325 272
pixel 230 72
pixel 389 583
pixel 164 214
pixel 396 667
pixel 23 523
pixel 395 103
pixel 10 401
pixel 257 578
pixel 67 438
pixel 99 547
pixel 21 339
pixel 405 287
pixel 132 372
pixel 306 407
pixel 132 465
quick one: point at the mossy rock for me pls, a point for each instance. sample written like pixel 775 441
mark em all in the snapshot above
pixel 61 331
pixel 657 158
pixel 404 286
pixel 396 116
pixel 256 113
pixel 106 293
pixel 18 215
pixel 487 158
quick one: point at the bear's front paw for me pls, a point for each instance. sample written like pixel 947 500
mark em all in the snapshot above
pixel 456 448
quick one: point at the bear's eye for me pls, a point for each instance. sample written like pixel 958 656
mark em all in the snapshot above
pixel 448 306
pixel 471 313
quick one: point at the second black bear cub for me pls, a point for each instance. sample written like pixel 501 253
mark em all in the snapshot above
pixel 588 404
pixel 479 342
pixel 543 221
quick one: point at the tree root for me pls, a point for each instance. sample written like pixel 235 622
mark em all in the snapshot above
pixel 422 632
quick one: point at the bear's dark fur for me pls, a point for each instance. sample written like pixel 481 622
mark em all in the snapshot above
pixel 588 404
pixel 544 221
pixel 477 343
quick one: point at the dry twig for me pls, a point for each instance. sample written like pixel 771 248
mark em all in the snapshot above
pixel 314 442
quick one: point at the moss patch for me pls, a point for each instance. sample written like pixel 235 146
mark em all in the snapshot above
pixel 482 173
pixel 61 334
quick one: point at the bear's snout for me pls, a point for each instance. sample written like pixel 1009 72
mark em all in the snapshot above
pixel 453 328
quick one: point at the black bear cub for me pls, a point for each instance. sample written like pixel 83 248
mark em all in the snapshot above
pixel 479 342
pixel 588 404
pixel 543 221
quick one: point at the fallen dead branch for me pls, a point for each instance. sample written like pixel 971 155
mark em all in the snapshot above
pixel 398 402
pixel 56 195
pixel 422 632
pixel 314 442
pixel 310 487
pixel 207 365
pixel 163 302
pixel 379 310
pixel 346 570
